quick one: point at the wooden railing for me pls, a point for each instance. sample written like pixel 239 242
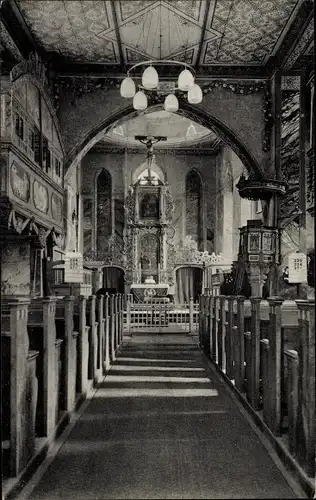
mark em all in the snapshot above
pixel 54 350
pixel 160 316
pixel 266 350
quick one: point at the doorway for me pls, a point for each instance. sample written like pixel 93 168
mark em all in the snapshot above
pixel 114 279
pixel 188 284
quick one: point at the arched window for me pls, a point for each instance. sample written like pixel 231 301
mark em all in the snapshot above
pixel 141 172
pixel 194 222
pixel 144 175
pixel 104 209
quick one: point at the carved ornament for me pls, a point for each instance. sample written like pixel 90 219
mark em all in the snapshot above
pixel 169 206
pixel 211 149
pixel 129 207
pixel 35 66
pixel 187 253
pixel 113 254
pixel 303 41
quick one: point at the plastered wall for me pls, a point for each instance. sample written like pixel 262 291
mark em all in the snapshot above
pixel 174 167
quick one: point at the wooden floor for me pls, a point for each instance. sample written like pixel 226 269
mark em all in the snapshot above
pixel 162 425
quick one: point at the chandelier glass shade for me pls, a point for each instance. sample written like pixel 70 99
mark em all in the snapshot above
pixel 128 88
pixel 140 101
pixel 150 85
pixel 195 94
pixel 185 80
pixel 171 103
pixel 150 78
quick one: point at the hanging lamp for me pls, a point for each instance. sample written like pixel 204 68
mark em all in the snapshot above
pixel 150 85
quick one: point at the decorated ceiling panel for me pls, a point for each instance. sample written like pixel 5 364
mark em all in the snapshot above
pixel 236 32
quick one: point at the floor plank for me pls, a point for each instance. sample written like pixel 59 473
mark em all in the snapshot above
pixel 181 437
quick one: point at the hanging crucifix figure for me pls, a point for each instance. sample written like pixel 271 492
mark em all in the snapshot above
pixel 149 141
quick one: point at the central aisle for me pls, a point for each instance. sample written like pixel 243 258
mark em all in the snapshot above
pixel 159 427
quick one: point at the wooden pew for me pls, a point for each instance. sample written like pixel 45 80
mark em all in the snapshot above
pixel 19 384
pixel 65 310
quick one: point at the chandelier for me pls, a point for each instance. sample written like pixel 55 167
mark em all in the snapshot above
pixel 150 84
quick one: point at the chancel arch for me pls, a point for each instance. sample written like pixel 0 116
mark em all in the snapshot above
pixel 244 136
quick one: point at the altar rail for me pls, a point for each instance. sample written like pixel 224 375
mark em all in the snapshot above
pixel 266 350
pixel 54 350
pixel 160 316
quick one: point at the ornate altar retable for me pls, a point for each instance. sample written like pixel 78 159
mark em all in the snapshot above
pixel 149 209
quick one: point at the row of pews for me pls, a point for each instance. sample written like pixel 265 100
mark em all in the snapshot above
pixel 265 349
pixel 54 351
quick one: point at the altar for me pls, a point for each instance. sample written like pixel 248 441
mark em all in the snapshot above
pixel 149 210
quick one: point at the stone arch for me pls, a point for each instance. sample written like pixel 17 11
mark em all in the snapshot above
pixel 187 110
pixel 113 265
pixel 237 119
pixel 188 264
pixel 195 171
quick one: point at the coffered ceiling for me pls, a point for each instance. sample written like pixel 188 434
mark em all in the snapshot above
pixel 200 32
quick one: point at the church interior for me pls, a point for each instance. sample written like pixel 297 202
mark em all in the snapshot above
pixel 157 199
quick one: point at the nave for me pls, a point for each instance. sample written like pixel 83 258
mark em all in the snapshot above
pixel 161 425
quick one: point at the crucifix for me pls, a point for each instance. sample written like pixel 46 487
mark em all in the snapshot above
pixel 149 142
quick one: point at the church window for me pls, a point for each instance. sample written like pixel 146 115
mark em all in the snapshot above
pixel 194 207
pixel 104 208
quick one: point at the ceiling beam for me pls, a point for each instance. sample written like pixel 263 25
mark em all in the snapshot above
pixel 67 69
pixel 117 33
pixel 206 14
pixel 17 28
